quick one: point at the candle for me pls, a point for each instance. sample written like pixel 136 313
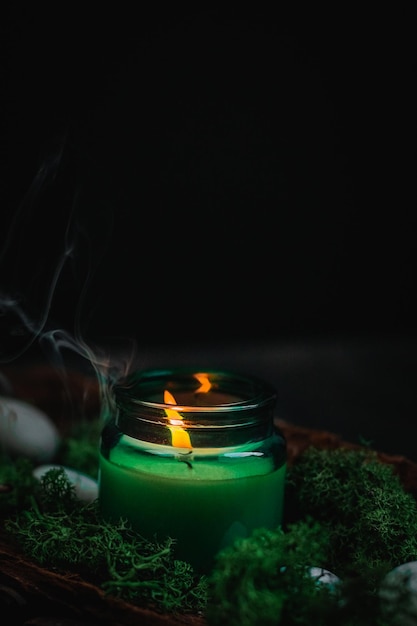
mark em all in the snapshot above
pixel 194 456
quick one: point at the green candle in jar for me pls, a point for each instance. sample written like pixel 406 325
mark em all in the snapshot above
pixel 194 456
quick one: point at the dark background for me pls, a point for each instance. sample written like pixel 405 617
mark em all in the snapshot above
pixel 234 187
pixel 247 174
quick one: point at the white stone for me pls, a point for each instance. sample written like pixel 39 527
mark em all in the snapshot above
pixel 325 577
pixel 85 487
pixel 27 431
pixel 398 595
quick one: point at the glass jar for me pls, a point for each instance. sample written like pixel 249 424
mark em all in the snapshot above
pixel 192 455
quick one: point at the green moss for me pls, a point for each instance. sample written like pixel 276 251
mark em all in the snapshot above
pixel 353 518
pixel 80 450
pixel 264 579
pixel 59 531
pixel 17 484
pixel 373 521
pixel 345 511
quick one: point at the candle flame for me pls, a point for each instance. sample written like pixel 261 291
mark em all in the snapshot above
pixel 180 437
pixel 205 384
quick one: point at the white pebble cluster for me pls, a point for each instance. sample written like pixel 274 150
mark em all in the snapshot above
pixel 26 431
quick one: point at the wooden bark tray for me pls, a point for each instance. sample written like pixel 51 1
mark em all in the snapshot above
pixel 40 597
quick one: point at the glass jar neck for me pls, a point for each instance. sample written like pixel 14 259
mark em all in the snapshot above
pixel 192 408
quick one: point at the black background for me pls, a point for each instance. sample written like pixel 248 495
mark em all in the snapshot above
pixel 243 175
pixel 237 187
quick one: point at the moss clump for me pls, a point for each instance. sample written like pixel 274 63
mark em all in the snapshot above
pixel 80 450
pixel 264 579
pixel 371 518
pixel 17 484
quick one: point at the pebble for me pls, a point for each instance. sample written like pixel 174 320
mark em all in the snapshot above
pixel 398 595
pixel 325 577
pixel 27 431
pixel 85 487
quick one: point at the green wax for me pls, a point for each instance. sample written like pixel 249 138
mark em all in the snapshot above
pixel 205 503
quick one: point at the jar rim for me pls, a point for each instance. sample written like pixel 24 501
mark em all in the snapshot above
pixel 246 392
pixel 245 413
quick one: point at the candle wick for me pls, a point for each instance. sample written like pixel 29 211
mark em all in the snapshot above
pixel 186 457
